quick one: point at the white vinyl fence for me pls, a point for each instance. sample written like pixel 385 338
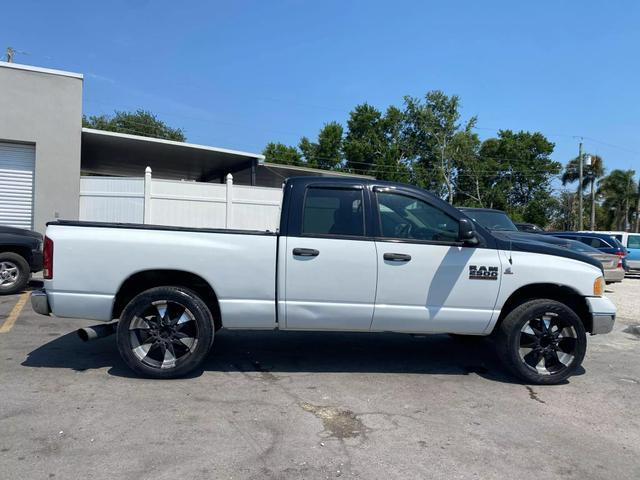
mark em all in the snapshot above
pixel 179 203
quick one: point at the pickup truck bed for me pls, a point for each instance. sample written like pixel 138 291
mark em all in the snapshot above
pixel 240 266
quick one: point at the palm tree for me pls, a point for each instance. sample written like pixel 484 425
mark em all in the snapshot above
pixel 619 191
pixel 590 174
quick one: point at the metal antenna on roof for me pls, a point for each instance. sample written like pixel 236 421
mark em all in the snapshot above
pixel 11 53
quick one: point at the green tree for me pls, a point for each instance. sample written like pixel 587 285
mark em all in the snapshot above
pixel 618 190
pixel 591 173
pixel 394 163
pixel 140 122
pixel 282 154
pixel 364 142
pixel 521 173
pixel 425 143
pixel 473 185
pixel 564 216
pixel 326 153
pixel 432 125
pixel 374 144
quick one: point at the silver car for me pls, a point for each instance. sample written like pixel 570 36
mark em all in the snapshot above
pixel 612 264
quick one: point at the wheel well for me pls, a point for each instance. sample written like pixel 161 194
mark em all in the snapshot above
pixel 24 252
pixel 141 281
pixel 552 291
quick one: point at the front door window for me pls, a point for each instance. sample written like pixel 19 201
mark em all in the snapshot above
pixel 409 218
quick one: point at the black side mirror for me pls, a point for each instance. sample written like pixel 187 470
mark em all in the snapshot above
pixel 467 232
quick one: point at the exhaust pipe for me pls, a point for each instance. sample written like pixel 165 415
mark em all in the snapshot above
pixel 97 331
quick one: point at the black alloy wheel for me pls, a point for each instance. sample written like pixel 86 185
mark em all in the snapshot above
pixel 548 343
pixel 165 332
pixel 542 341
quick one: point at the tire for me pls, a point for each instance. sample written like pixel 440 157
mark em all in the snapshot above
pixel 14 273
pixel 542 342
pixel 165 332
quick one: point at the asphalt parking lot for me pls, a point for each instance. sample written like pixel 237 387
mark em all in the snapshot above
pixel 314 405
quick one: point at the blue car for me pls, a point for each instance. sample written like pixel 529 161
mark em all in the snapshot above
pixel 631 241
pixel 602 241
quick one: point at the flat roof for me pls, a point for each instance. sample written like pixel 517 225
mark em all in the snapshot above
pixel 50 71
pixel 164 141
pixel 121 154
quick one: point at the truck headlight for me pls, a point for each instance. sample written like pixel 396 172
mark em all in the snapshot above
pixel 598 287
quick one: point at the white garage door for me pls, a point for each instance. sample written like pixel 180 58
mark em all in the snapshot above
pixel 17 164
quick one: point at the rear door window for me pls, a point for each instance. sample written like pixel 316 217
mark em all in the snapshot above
pixel 333 212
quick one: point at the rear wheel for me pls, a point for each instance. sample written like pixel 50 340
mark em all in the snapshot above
pixel 542 341
pixel 14 273
pixel 165 332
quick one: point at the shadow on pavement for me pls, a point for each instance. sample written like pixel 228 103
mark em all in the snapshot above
pixel 284 352
pixel 280 352
pixel 68 351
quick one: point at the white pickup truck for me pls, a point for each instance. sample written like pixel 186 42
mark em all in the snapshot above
pixel 350 255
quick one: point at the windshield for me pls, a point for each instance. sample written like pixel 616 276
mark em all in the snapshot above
pixel 497 221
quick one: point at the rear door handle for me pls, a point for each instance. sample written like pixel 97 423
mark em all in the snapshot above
pixel 397 257
pixel 306 252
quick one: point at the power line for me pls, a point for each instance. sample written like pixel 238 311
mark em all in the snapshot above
pixel 316 157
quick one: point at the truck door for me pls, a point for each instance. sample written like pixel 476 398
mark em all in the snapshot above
pixel 329 262
pixel 428 281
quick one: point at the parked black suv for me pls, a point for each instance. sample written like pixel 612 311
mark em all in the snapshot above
pixel 20 255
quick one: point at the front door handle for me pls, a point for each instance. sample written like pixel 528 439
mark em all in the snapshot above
pixel 397 257
pixel 306 252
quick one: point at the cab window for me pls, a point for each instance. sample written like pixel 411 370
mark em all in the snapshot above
pixel 333 211
pixel 633 241
pixel 410 218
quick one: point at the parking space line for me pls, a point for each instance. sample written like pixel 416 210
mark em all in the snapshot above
pixel 15 313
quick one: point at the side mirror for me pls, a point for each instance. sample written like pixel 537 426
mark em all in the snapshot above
pixel 467 232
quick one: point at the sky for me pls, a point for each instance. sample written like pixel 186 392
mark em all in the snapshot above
pixel 239 74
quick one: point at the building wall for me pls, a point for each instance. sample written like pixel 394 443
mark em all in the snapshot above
pixel 45 108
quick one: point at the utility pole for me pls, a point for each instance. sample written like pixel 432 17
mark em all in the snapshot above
pixel 580 220
pixel 10 53
pixel 589 162
pixel 627 226
pixel 593 202
pixel 638 209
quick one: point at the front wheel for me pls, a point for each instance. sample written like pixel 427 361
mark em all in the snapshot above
pixel 542 341
pixel 165 332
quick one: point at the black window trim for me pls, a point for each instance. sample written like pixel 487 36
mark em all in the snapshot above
pixel 329 186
